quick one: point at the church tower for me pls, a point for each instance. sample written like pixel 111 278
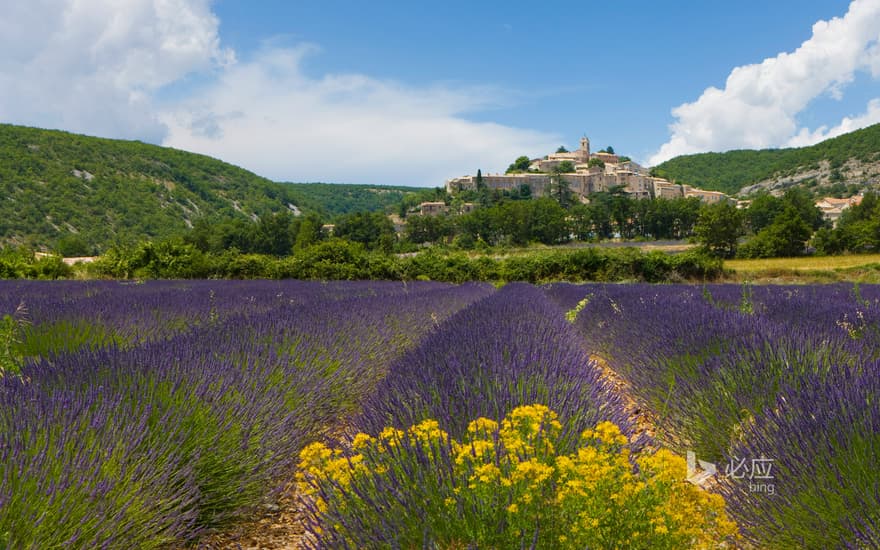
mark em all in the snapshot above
pixel 585 149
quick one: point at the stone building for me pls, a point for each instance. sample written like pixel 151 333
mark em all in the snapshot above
pixel 554 160
pixel 832 208
pixel 432 208
pixel 710 197
pixel 634 179
pixel 663 189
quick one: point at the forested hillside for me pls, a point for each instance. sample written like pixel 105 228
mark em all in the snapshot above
pixel 332 199
pixel 78 194
pixel 831 161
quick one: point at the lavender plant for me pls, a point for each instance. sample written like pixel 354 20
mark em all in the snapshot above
pixel 823 439
pixel 510 349
pixel 186 424
pixel 704 369
pixel 782 383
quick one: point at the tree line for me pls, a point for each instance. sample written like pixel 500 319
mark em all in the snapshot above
pixel 510 220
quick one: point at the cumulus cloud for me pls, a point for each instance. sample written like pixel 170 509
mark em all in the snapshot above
pixel 759 104
pixel 131 68
pixel 94 66
pixel 267 115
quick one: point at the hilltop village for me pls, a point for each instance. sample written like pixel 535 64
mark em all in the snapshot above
pixel 585 173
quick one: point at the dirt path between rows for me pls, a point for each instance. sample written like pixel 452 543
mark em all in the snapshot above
pixel 274 526
pixel 643 421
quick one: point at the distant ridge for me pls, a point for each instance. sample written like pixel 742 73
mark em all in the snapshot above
pixel 850 159
pixel 332 199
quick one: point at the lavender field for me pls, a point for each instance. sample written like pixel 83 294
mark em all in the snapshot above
pixel 145 415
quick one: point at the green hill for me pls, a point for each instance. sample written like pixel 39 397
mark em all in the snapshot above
pixel 333 199
pixel 730 172
pixel 79 194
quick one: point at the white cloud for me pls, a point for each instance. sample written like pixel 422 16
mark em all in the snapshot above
pixel 106 67
pixel 807 137
pixel 759 104
pixel 267 116
pixel 93 66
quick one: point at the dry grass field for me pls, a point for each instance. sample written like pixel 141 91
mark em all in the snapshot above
pixel 862 268
pixel 822 263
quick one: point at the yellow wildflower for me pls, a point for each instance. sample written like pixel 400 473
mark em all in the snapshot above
pixel 482 425
pixel 593 486
pixel 533 471
pixel 486 473
pixel 361 441
pixel 428 431
pixel 477 451
pixel 390 438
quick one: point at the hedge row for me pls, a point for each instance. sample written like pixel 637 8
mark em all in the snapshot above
pixel 343 260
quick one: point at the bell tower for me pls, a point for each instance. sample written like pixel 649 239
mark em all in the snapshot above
pixel 585 148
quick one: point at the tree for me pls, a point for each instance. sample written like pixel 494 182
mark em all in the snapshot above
pixel 547 223
pixel 801 200
pixel 785 237
pixel 73 245
pixel 621 210
pixel 670 218
pixel 272 235
pixel 559 188
pixel 600 215
pixel 372 229
pixel 828 241
pixel 565 167
pixel 482 190
pixel 596 162
pixel 479 225
pixel 308 232
pixel 580 222
pixel 562 149
pixel 718 229
pixel 762 211
pixel 859 226
pixel 428 229
pixel 609 150
pixel 521 164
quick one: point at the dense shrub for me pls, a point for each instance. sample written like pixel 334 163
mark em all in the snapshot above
pixel 20 263
pixel 338 259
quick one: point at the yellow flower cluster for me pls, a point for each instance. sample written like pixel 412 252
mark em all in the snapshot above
pixel 319 463
pixel 592 497
pixel 606 433
pixel 530 430
pixel 685 501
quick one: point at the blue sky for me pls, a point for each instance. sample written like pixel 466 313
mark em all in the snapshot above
pixel 413 93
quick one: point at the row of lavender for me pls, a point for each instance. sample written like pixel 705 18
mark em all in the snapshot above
pixel 777 385
pixel 511 349
pixel 144 414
